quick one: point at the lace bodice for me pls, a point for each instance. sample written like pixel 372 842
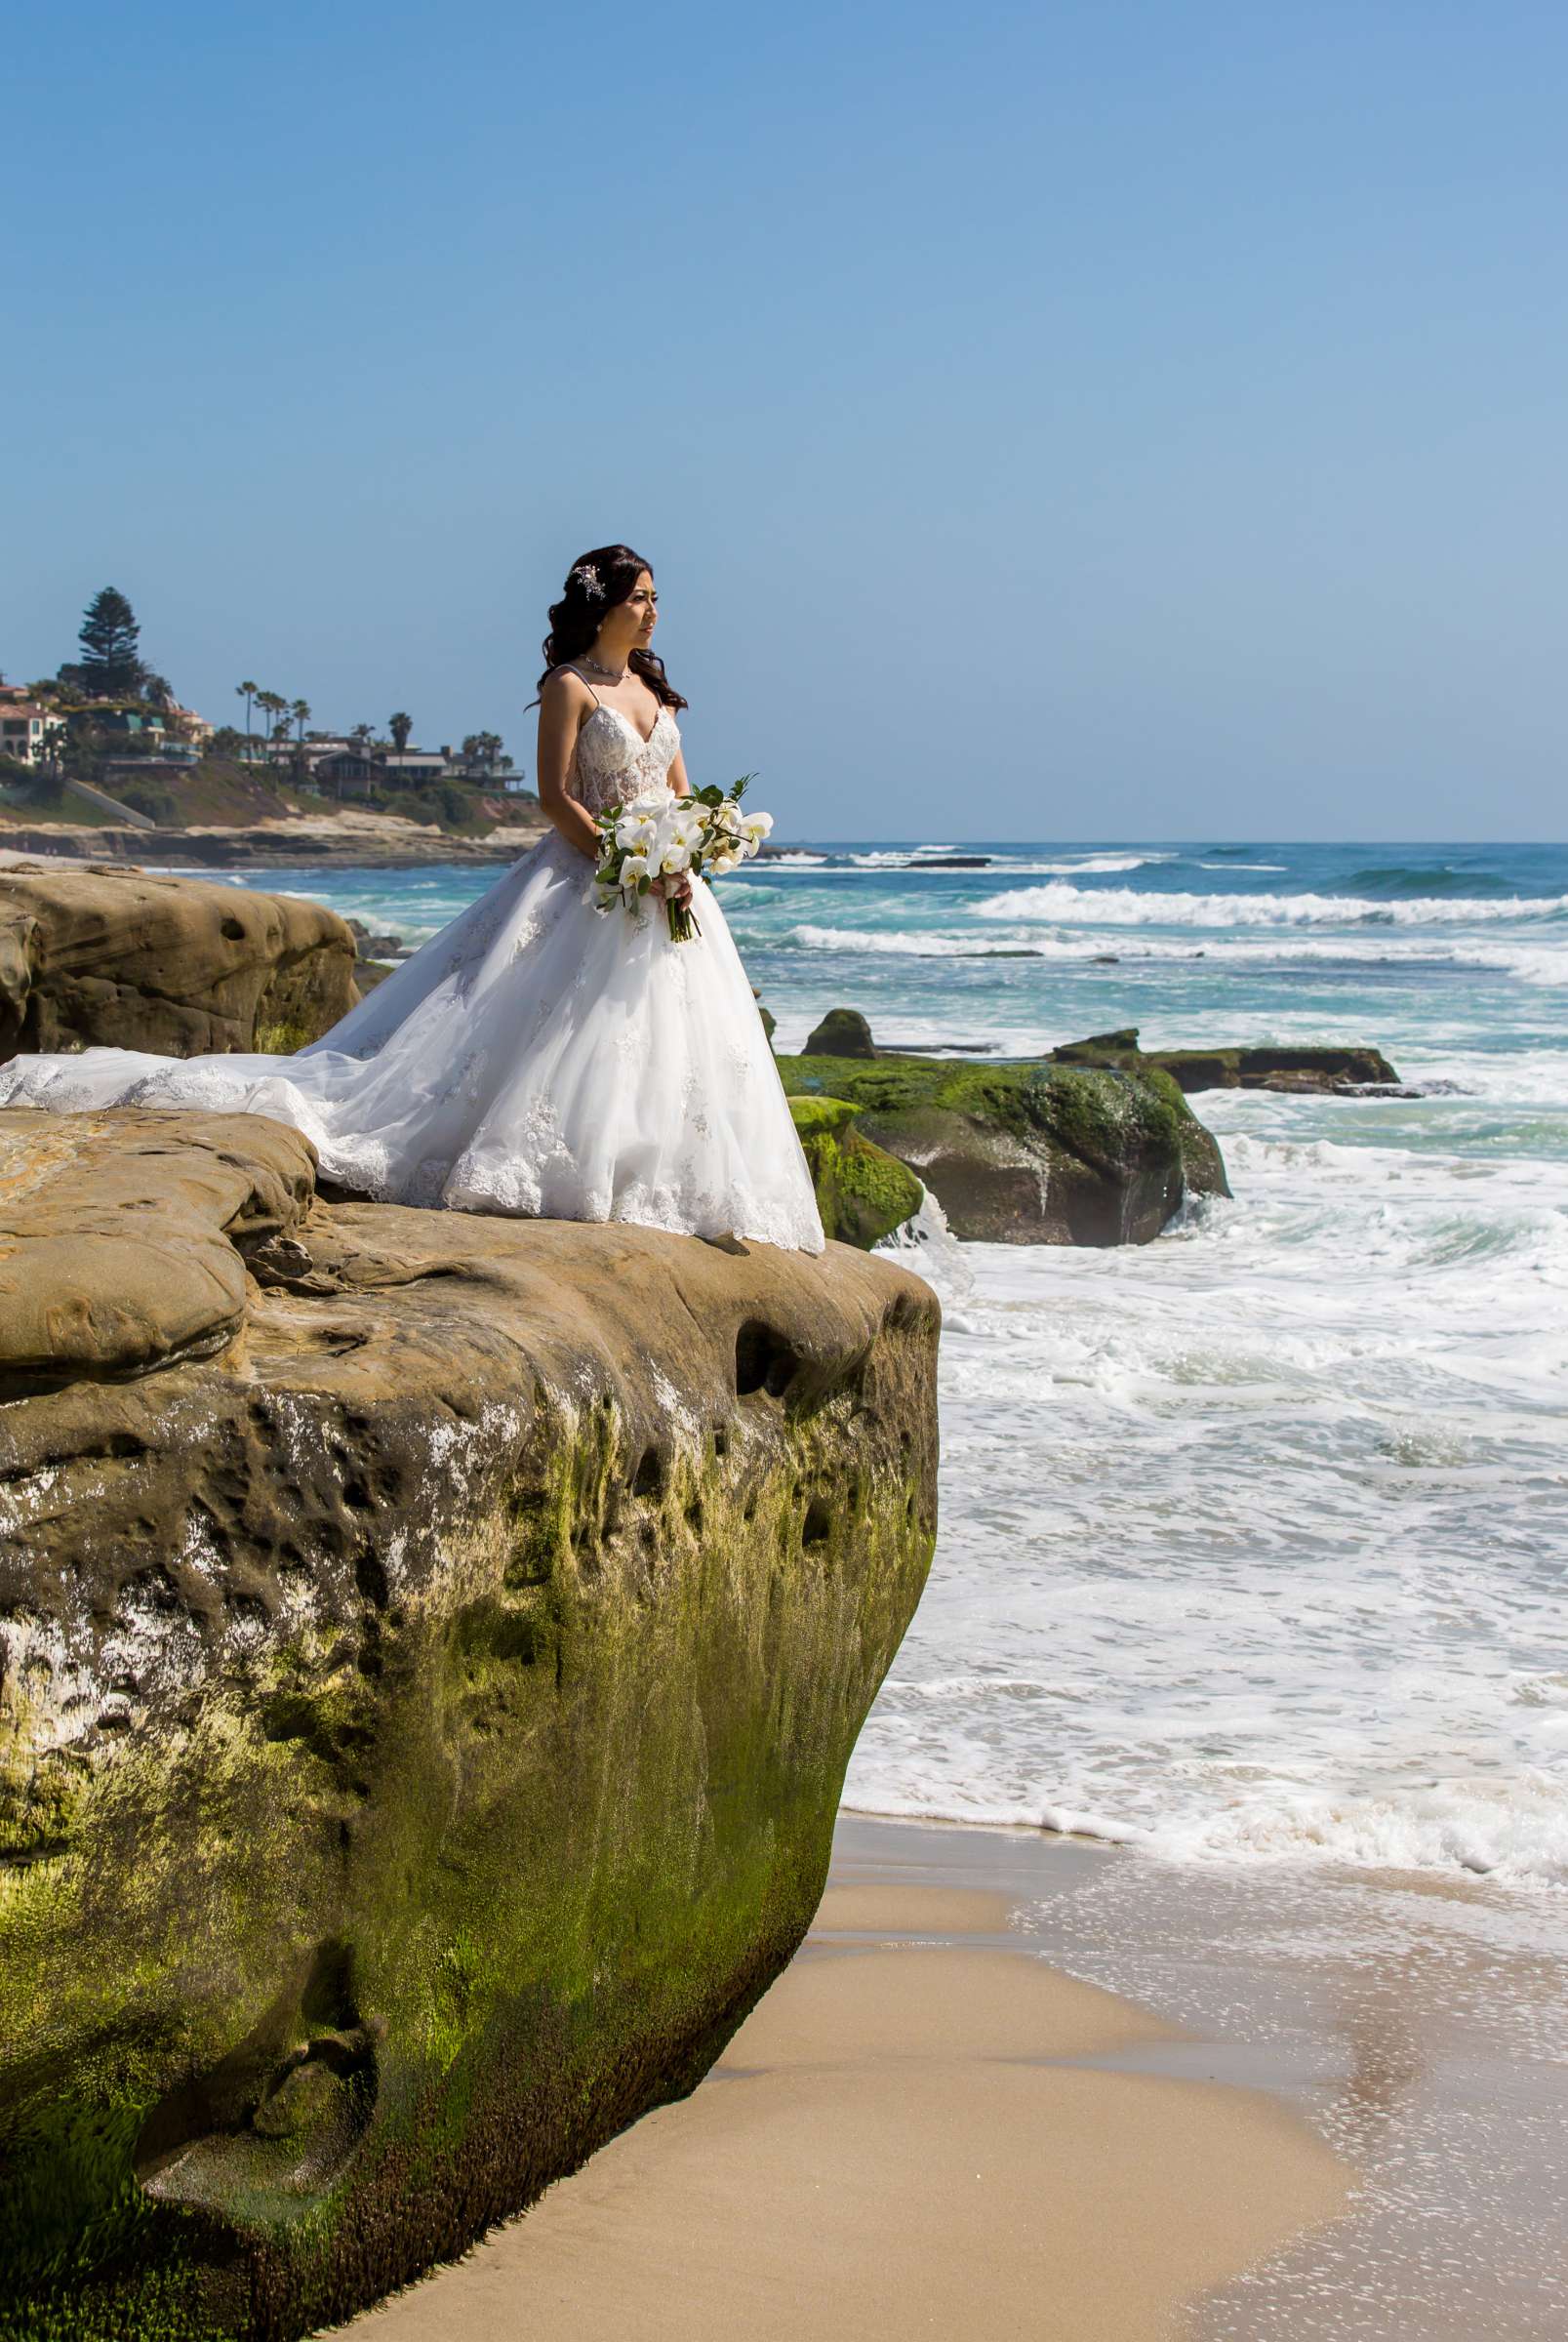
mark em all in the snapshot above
pixel 612 761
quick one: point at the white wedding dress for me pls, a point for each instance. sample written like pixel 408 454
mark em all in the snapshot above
pixel 538 1057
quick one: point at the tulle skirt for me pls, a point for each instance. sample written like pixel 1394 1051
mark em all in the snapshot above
pixel 538 1057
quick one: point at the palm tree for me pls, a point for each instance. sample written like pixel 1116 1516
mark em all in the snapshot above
pixel 400 726
pixel 274 705
pixel 301 713
pixel 247 691
pixel 481 752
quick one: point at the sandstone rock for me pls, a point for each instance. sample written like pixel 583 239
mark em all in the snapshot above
pixel 842 1032
pixel 123 1238
pixel 422 1719
pixel 183 967
pixel 1029 1152
pixel 863 1192
pixel 1333 1067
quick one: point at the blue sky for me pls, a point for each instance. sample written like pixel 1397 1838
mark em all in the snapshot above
pixel 1065 421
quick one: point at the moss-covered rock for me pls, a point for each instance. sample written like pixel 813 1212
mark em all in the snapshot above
pixel 115 956
pixel 842 1032
pixel 770 1023
pixel 863 1192
pixel 421 1717
pixel 1263 1065
pixel 1028 1152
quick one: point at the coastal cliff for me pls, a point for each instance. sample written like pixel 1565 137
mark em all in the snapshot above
pixel 431 1648
pixel 351 838
pixel 128 958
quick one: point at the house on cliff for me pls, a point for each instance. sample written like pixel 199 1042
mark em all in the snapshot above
pixel 416 768
pixel 24 729
pixel 352 767
pixel 346 770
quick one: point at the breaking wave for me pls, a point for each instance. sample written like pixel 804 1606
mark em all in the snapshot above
pixel 1127 907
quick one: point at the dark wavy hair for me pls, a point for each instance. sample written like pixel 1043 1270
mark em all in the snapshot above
pixel 575 619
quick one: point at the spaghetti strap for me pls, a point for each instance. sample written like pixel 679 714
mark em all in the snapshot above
pixel 582 678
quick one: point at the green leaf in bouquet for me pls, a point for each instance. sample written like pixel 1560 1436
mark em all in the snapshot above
pixel 712 795
pixel 644 883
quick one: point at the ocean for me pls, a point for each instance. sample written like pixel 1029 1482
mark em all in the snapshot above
pixel 1254 1540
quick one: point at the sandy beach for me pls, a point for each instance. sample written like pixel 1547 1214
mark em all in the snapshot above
pixel 918 2131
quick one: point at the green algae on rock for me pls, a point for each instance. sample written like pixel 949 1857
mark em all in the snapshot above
pixel 1026 1151
pixel 863 1192
pixel 422 1715
pixel 1262 1065
pixel 842 1032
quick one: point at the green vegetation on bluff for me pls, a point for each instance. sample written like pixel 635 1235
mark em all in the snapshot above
pixel 106 737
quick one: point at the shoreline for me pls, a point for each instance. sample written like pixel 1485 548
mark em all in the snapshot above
pixel 924 2124
pixel 1305 2103
pixel 1417 2021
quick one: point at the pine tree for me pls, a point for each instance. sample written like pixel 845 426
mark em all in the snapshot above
pixel 111 667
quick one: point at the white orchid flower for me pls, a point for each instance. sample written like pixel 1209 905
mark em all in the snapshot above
pixel 757 825
pixel 633 866
pixel 674 859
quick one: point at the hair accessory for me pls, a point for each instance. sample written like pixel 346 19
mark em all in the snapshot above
pixel 588 577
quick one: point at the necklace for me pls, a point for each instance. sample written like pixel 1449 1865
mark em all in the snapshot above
pixel 608 672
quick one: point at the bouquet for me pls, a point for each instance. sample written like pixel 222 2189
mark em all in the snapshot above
pixel 658 845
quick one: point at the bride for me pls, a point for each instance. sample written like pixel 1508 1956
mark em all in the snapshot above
pixel 538 1056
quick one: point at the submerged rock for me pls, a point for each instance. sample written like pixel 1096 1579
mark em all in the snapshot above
pixel 1028 1152
pixel 1333 1067
pixel 121 957
pixel 429 1651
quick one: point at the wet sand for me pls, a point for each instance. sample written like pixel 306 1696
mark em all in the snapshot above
pixel 923 2129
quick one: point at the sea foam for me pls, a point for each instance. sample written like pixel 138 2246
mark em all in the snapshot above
pixel 1131 906
pixel 1250 1538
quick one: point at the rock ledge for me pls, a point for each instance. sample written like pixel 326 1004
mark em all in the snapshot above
pixel 120 957
pixel 426 1689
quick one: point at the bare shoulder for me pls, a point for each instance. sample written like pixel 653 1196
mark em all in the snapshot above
pixel 564 687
